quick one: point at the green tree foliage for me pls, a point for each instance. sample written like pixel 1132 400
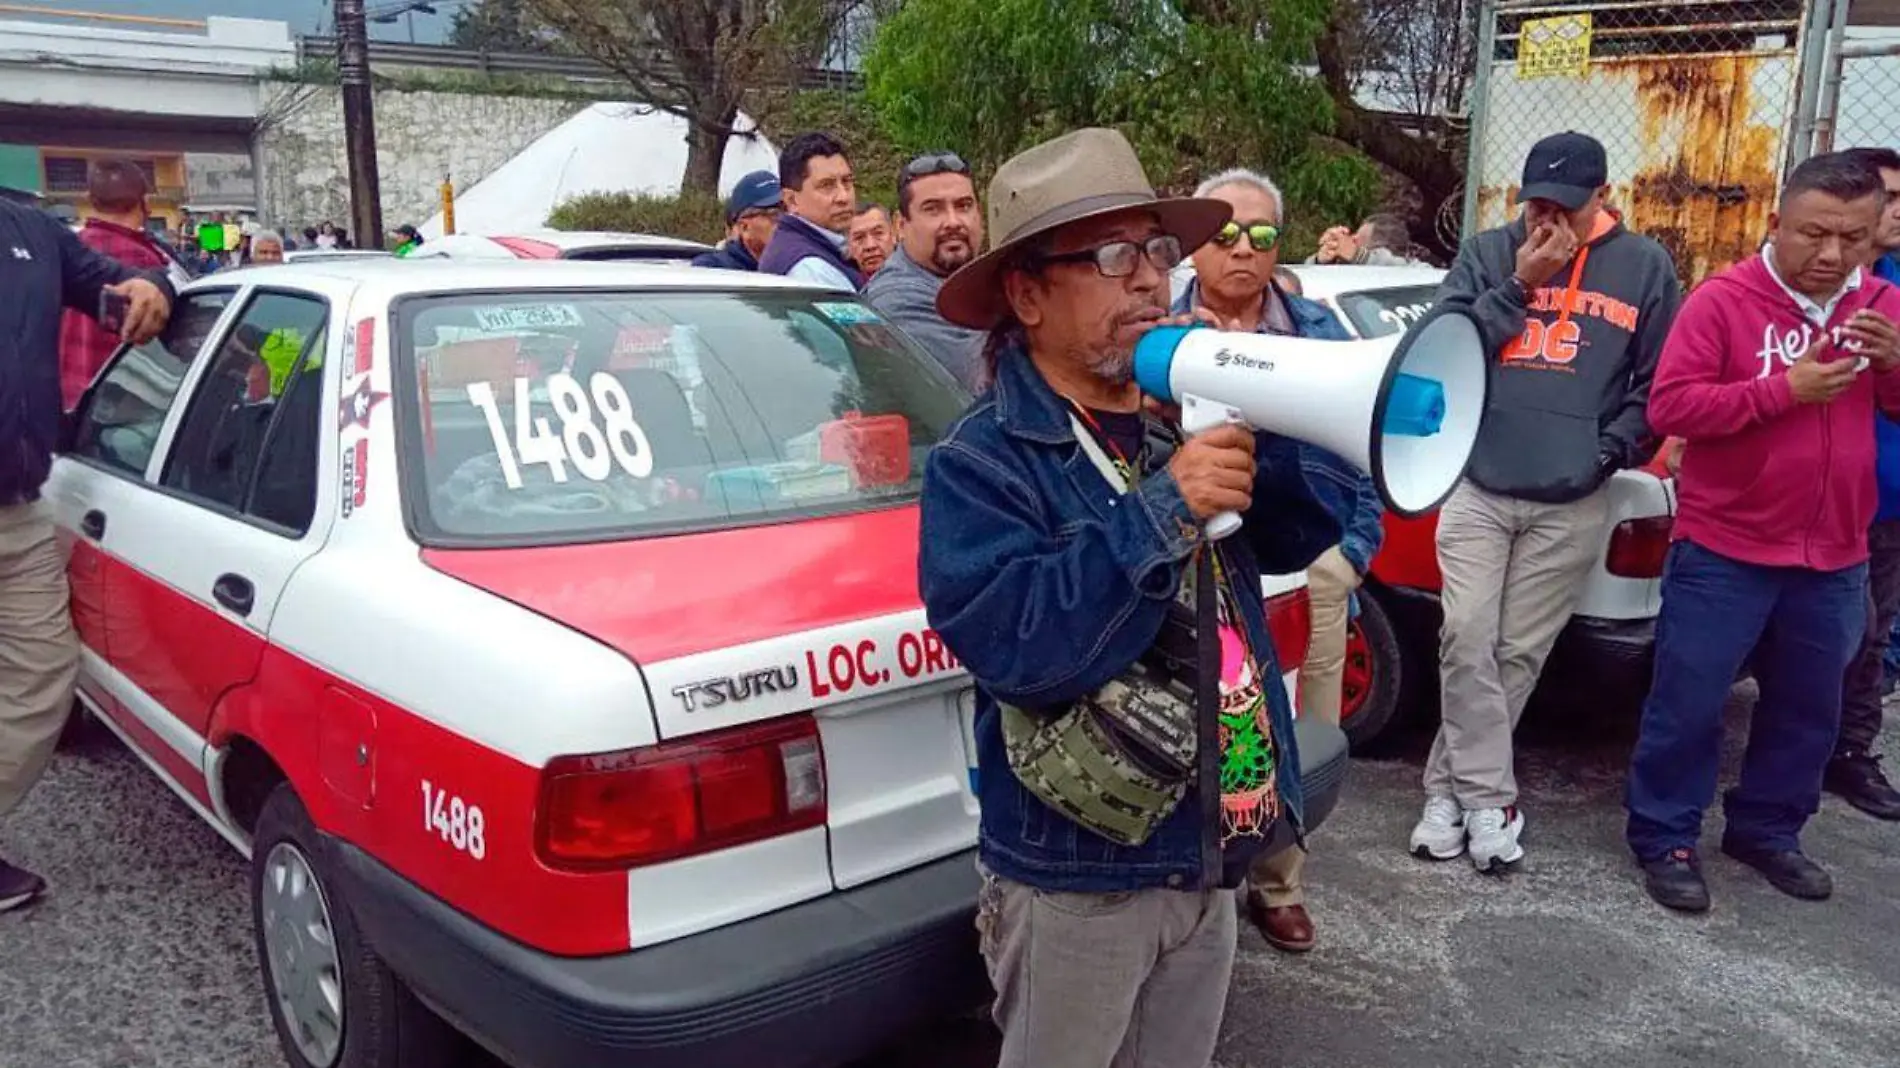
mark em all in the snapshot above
pixel 1197 85
pixel 695 216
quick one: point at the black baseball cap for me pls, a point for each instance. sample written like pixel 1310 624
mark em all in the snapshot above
pixel 1566 168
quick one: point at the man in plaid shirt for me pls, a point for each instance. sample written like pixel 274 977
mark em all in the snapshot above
pixel 116 229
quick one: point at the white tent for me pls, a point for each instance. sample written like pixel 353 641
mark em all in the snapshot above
pixel 608 148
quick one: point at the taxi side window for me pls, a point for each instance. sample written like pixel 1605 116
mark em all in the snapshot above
pixel 249 440
pixel 118 420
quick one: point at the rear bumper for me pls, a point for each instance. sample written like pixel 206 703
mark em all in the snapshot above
pixel 1612 656
pixel 1605 655
pixel 1323 763
pixel 816 984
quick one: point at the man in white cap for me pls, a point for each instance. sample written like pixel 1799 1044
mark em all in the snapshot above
pixel 1135 745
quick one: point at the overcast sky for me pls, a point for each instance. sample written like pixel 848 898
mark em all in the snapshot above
pixel 304 16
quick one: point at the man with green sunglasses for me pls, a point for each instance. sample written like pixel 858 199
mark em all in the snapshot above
pixel 1236 282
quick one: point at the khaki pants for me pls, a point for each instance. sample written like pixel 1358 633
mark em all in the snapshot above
pixel 1330 582
pixel 39 650
pixel 1513 571
pixel 1130 980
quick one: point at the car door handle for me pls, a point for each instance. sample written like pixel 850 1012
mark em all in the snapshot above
pixel 93 524
pixel 234 592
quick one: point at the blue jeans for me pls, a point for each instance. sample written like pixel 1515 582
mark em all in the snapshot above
pixel 1714 611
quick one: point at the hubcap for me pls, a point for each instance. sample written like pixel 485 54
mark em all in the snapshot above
pixel 300 944
pixel 1355 679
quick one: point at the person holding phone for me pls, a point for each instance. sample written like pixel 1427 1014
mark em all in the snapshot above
pixel 1771 375
pixel 43 267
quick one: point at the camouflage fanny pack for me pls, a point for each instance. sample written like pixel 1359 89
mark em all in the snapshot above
pixel 1119 760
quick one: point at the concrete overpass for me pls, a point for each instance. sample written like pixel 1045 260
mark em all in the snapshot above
pixel 183 94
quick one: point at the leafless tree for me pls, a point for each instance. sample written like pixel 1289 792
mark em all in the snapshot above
pixel 702 60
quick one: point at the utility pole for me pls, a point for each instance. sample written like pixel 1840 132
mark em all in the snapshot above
pixel 359 123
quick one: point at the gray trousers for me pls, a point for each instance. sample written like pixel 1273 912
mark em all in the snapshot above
pixel 39 650
pixel 1513 571
pixel 1128 980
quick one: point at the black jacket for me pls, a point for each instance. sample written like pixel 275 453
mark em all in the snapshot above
pixel 731 256
pixel 43 269
pixel 1568 389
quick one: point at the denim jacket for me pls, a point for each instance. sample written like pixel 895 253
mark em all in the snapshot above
pixel 1348 492
pixel 1047 583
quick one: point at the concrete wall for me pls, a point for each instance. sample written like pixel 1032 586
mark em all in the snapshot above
pixel 419 136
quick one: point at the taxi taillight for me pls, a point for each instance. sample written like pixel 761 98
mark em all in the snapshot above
pixel 1638 547
pixel 679 799
pixel 1290 625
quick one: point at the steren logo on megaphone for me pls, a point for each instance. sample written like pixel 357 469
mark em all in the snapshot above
pixel 1404 410
pixel 1227 356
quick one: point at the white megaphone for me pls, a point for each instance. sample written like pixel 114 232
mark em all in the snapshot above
pixel 1405 411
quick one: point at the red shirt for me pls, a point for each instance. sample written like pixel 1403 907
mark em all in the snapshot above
pixel 1765 480
pixel 83 343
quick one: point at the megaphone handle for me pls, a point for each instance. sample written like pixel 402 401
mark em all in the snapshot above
pixel 1222 525
pixel 1198 414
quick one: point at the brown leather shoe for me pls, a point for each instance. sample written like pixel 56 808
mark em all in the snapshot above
pixel 1287 928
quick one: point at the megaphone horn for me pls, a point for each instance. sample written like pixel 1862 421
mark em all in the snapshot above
pixel 1405 411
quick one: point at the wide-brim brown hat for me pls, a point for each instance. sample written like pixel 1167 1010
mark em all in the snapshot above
pixel 1077 176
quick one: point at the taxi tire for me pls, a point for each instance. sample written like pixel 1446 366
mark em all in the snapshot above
pixel 384 1024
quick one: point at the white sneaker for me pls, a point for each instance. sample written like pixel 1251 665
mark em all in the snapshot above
pixel 1494 833
pixel 1440 832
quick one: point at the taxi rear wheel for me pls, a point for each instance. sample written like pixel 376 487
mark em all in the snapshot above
pixel 334 1003
pixel 1373 677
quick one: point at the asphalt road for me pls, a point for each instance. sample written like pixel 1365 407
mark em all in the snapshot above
pixel 142 957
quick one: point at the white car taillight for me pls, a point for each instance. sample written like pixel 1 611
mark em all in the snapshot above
pixel 1638 547
pixel 1290 624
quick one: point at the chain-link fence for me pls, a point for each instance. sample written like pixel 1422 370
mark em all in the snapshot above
pixel 1859 103
pixel 1694 103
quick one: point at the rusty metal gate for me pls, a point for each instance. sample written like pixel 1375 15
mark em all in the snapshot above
pixel 1697 105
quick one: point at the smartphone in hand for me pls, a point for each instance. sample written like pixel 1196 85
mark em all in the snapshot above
pixel 112 309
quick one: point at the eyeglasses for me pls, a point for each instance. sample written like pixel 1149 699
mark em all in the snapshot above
pixel 933 163
pixel 1119 259
pixel 1261 235
pixel 758 213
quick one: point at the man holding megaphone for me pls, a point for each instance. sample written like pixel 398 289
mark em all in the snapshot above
pixel 1135 744
pixel 1574 309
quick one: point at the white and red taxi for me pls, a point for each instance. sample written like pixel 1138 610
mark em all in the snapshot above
pixel 549 641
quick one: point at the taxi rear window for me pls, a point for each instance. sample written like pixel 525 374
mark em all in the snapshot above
pixel 1379 312
pixel 547 418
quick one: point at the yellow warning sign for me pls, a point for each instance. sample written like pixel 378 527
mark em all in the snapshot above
pixel 1557 47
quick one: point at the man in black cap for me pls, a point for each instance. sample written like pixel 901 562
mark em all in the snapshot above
pixel 1576 308
pixel 752 212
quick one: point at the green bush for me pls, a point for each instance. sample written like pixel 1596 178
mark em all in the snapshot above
pixel 694 216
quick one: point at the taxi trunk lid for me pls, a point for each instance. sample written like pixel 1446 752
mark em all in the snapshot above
pixel 737 627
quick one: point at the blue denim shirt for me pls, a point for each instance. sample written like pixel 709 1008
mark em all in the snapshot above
pixel 1047 583
pixel 1347 491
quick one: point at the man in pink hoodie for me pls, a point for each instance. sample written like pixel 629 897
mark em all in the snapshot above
pixel 1771 374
